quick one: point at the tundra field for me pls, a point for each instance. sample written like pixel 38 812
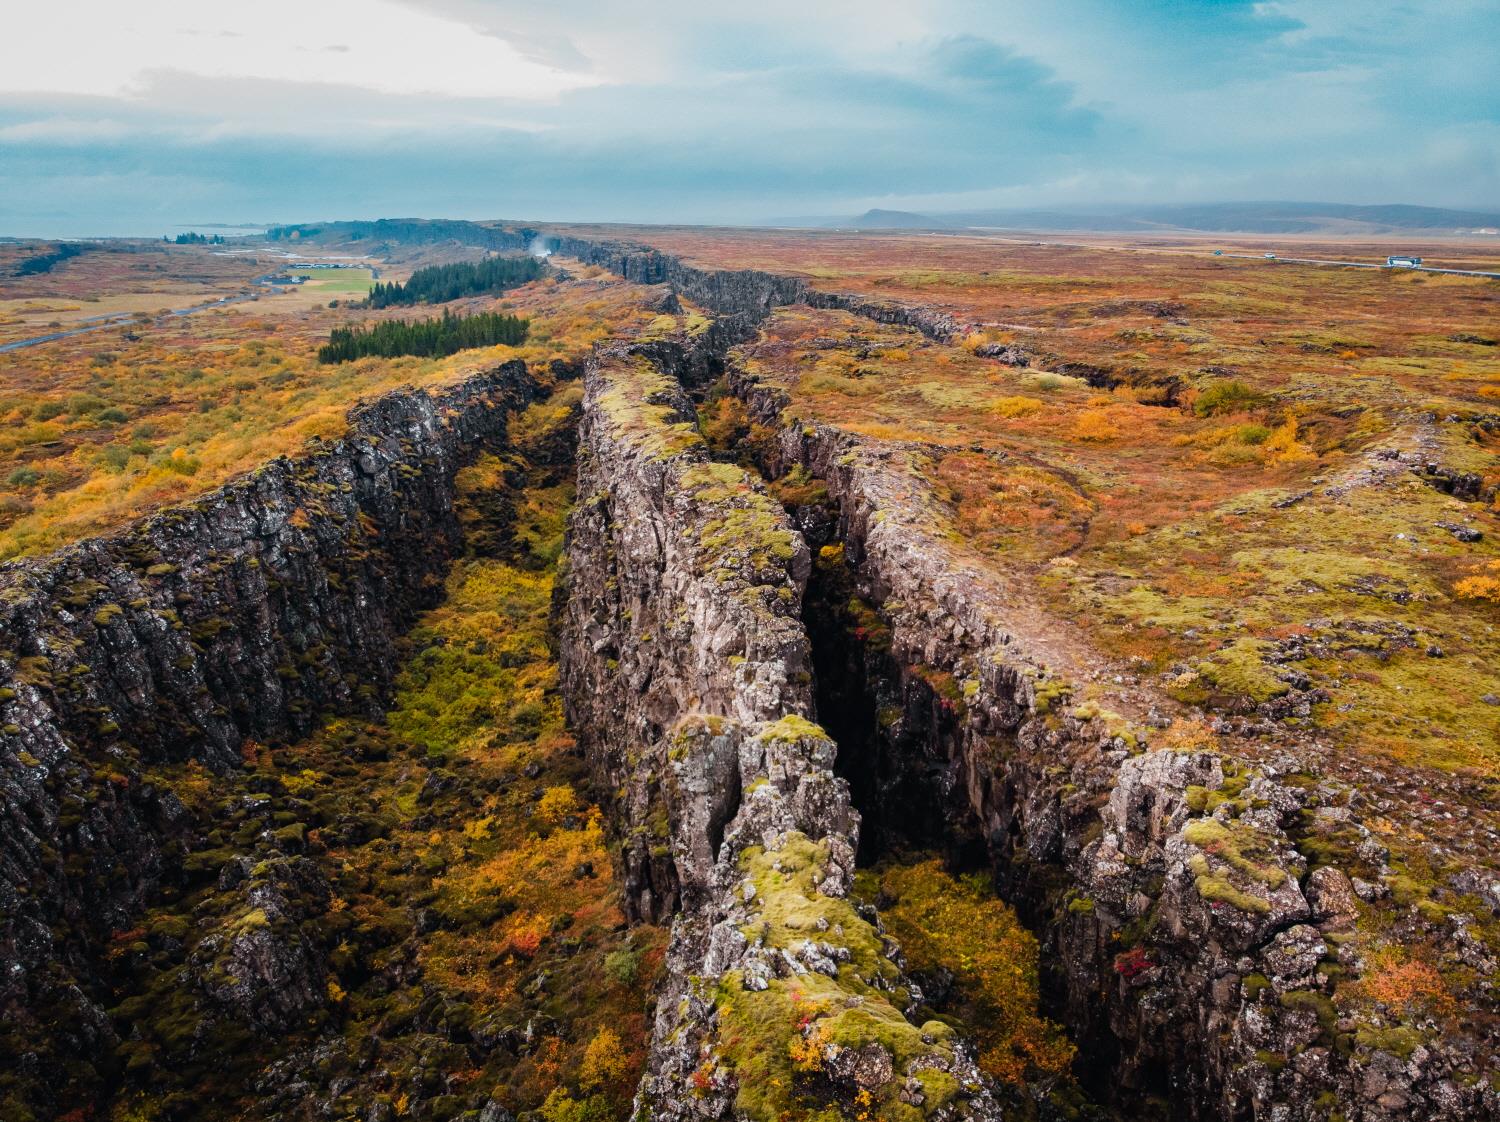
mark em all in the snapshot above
pixel 812 675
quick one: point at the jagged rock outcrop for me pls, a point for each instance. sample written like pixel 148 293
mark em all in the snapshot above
pixel 687 673
pixel 729 292
pixel 932 323
pixel 259 963
pixel 238 616
pixel 677 643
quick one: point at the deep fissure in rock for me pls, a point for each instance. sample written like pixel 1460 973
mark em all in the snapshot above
pixel 898 738
pixel 899 731
pixel 895 736
pixel 346 915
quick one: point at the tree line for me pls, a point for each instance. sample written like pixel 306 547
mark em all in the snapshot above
pixel 427 338
pixel 406 231
pixel 45 262
pixel 437 284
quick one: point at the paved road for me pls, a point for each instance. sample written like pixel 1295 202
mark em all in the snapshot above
pixel 99 323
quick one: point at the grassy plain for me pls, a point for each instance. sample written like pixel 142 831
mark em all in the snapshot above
pixel 114 278
pixel 336 280
pixel 102 427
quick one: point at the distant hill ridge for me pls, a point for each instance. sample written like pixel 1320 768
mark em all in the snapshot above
pixel 898 220
pixel 1250 218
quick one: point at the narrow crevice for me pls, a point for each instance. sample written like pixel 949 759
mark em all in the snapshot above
pixel 899 742
pixel 896 735
pixel 899 731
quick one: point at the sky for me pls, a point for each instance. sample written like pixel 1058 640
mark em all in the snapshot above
pixel 150 116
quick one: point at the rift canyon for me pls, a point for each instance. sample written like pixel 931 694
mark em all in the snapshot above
pixel 491 672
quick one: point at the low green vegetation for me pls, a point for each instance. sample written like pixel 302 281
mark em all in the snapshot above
pixel 339 284
pixel 958 925
pixel 742 524
pixel 1226 396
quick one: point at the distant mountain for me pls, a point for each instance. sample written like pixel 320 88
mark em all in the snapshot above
pixel 1249 218
pixel 894 220
pixel 1243 218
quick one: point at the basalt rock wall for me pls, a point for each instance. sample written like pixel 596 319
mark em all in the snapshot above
pixel 236 617
pixel 1191 951
pixel 649 636
pixel 686 671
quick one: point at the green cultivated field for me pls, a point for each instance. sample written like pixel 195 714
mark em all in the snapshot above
pixel 336 282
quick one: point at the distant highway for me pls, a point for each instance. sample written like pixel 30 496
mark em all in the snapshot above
pixel 1180 251
pixel 1278 259
pixel 124 319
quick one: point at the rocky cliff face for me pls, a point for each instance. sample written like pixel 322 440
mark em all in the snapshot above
pixel 739 292
pixel 687 671
pixel 236 617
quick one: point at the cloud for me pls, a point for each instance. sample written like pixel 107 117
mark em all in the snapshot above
pixel 693 111
pixel 367 44
pixel 65 130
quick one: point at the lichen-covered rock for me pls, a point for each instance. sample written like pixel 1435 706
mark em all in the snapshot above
pixel 687 674
pixel 260 964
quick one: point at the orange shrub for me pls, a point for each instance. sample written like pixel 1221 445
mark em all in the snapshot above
pixel 1016 406
pixel 1095 425
pixel 1406 985
pixel 1483 583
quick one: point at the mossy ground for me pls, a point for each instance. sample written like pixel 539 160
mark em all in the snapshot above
pixel 635 404
pixel 744 525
